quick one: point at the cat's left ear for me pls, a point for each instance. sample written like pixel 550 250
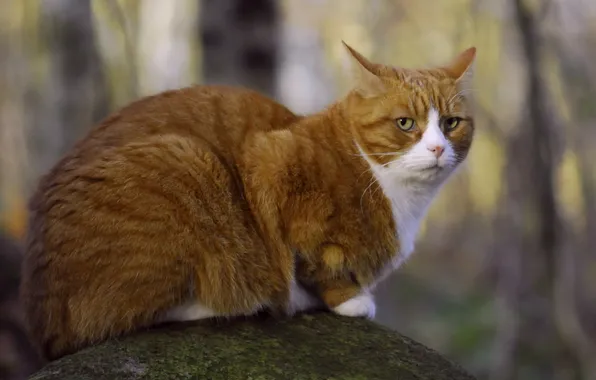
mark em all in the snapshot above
pixel 367 83
pixel 461 65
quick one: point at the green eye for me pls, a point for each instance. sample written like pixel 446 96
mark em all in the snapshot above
pixel 405 123
pixel 450 123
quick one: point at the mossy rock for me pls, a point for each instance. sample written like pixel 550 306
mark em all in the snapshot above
pixel 310 347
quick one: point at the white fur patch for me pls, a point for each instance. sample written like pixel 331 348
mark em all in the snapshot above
pixel 300 299
pixel 363 305
pixel 411 183
pixel 189 311
pixel 433 136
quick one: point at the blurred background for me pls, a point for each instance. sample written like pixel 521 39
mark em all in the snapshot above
pixel 504 278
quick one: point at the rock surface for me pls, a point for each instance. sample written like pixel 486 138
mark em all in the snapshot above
pixel 311 346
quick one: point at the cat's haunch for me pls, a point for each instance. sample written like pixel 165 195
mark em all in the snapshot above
pixel 213 201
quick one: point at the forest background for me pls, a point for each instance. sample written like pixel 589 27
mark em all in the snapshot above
pixel 504 276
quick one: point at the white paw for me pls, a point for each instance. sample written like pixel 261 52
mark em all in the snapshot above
pixel 362 305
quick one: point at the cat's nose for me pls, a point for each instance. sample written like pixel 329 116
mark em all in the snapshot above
pixel 436 149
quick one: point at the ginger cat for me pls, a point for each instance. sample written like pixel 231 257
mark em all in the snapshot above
pixel 213 201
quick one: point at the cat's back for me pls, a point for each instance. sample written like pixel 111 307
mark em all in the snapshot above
pixel 219 115
pixel 165 130
pixel 163 144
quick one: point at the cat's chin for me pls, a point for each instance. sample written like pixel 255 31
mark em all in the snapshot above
pixel 430 174
pixel 432 168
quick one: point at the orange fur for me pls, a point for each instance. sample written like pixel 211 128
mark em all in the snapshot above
pixel 224 196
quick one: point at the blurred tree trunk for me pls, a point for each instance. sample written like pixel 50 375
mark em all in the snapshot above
pixel 75 94
pixel 240 43
pixel 13 147
pixel 18 358
pixel 577 315
pixel 532 227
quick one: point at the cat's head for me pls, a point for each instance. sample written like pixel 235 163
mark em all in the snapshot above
pixel 411 124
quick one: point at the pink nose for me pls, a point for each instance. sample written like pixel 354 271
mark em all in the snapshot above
pixel 437 150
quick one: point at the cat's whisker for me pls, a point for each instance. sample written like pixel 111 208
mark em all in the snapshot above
pixel 375 191
pixel 460 94
pixel 467 90
pixel 367 170
pixel 385 165
pixel 372 181
pixel 411 161
pixel 376 154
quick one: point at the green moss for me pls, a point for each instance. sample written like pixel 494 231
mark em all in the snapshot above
pixel 309 347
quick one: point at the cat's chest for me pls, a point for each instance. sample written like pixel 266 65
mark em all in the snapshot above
pixel 407 211
pixel 408 204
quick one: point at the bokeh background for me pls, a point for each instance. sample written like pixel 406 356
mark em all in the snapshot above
pixel 504 277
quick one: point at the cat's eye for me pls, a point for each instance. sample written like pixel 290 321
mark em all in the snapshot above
pixel 405 123
pixel 450 123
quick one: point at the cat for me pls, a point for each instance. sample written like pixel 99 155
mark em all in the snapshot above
pixel 216 201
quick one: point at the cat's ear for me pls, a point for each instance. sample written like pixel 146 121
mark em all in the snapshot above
pixel 460 66
pixel 367 83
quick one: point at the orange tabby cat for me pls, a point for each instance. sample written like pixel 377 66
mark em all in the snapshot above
pixel 213 201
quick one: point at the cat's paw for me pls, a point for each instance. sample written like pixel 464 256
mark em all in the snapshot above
pixel 362 305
